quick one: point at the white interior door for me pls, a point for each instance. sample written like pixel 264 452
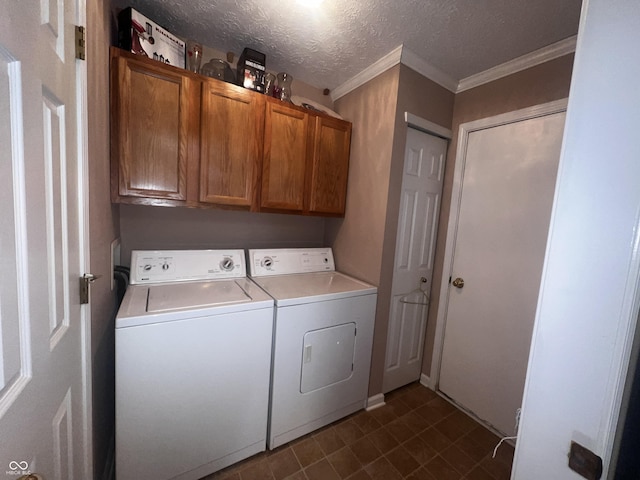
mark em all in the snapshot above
pixel 502 225
pixel 44 389
pixel 413 265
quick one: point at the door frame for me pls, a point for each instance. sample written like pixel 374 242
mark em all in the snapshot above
pixel 82 119
pixel 464 131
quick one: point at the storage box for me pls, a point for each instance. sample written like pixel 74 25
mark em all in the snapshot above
pixel 141 36
pixel 251 67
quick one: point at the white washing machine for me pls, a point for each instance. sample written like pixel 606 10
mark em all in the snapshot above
pixel 322 339
pixel 193 363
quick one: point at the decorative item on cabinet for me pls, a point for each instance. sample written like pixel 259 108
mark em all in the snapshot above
pixel 251 68
pixel 284 86
pixel 182 139
pixel 139 35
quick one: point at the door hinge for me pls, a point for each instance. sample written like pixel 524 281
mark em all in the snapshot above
pixel 80 43
pixel 85 280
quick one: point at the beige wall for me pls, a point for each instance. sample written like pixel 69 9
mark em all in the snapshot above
pixel 364 241
pixel 543 83
pixel 103 228
pixel 357 239
pixel 148 228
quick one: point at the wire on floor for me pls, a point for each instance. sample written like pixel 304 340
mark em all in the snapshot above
pixel 504 439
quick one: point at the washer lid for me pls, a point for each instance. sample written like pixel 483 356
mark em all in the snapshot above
pixel 159 303
pixel 163 298
pixel 312 287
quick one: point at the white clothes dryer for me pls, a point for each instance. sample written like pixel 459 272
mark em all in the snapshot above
pixel 322 339
pixel 193 362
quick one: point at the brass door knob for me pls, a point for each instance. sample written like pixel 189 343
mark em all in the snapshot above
pixel 458 283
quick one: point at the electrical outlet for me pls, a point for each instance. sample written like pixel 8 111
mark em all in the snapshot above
pixel 115 260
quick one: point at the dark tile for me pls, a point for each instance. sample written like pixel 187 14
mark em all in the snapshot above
pixel 283 464
pixel 435 410
pixel 382 469
pixel 419 450
pixel 415 422
pixel 329 441
pixel 365 451
pixel 498 469
pixel 441 470
pixel 308 451
pixel 257 471
pixel 455 425
pixel 399 430
pixel 402 460
pixel 360 475
pixel 383 440
pixel 383 415
pixel 348 432
pixel 421 474
pixel 486 439
pixel 398 407
pixel 297 476
pixel 475 451
pixel 459 460
pixel 321 470
pixel 478 473
pixel 344 462
pixel 366 422
pixel 418 396
pixel 435 439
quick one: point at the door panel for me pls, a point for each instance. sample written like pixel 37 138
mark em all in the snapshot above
pixel 415 248
pixel 502 225
pixel 43 389
pixel 231 145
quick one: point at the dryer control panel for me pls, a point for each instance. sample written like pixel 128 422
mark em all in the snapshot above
pixel 284 261
pixel 157 266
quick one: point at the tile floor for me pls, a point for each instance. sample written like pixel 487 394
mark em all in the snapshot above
pixel 416 435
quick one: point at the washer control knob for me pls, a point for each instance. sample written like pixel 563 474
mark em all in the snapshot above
pixel 147 267
pixel 165 266
pixel 227 264
pixel 267 262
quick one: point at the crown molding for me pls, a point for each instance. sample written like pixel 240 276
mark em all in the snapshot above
pixel 403 55
pixel 414 62
pixel 385 63
pixel 550 52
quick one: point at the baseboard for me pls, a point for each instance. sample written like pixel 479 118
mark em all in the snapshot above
pixel 374 402
pixel 425 381
pixel 109 472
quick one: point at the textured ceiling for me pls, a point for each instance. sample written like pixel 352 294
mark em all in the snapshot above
pixel 327 46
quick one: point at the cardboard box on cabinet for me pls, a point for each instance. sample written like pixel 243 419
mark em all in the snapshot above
pixel 141 36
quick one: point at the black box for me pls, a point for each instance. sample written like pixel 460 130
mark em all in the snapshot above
pixel 251 67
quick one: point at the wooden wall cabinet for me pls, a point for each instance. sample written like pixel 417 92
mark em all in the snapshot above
pixel 329 170
pixel 231 139
pixel 287 145
pixel 180 139
pixel 306 161
pixel 154 112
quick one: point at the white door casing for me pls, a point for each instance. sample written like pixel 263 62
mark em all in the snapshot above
pixel 413 264
pixel 44 331
pixel 507 168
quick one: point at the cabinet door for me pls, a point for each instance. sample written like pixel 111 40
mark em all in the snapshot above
pixel 330 166
pixel 151 110
pixel 231 137
pixel 286 149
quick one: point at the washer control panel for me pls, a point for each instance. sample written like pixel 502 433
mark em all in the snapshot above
pixel 156 266
pixel 283 261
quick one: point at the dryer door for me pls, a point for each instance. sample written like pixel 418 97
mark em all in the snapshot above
pixel 327 356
